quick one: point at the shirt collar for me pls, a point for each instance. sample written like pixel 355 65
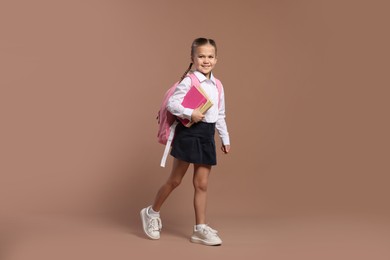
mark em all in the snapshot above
pixel 202 77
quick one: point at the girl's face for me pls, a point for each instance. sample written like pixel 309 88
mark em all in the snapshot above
pixel 204 59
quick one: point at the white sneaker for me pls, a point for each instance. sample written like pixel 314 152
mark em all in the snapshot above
pixel 151 225
pixel 206 236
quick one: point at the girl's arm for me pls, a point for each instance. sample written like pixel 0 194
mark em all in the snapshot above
pixel 221 125
pixel 174 103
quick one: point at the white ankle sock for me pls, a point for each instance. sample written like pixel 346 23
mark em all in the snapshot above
pixel 200 226
pixel 153 213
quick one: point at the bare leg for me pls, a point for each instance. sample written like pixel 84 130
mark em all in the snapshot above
pixel 200 181
pixel 178 171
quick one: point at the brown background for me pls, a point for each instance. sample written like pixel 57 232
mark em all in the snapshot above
pixel 307 106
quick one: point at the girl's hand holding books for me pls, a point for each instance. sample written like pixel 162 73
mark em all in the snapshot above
pixel 196 116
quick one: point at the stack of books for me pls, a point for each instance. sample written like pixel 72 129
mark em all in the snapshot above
pixel 195 98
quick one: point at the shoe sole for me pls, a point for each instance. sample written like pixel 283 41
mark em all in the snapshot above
pixel 203 242
pixel 142 213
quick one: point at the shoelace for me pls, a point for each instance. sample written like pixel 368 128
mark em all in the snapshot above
pixel 208 229
pixel 155 224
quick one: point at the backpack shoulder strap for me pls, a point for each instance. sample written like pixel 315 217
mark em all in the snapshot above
pixel 194 79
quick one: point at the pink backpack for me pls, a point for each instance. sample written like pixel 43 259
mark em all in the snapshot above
pixel 167 122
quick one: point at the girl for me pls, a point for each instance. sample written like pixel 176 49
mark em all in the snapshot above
pixel 194 145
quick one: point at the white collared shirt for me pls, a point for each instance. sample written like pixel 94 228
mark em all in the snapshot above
pixel 216 114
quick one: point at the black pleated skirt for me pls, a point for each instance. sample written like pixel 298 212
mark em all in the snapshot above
pixel 195 144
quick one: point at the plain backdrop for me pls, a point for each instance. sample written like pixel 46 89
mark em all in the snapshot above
pixel 306 85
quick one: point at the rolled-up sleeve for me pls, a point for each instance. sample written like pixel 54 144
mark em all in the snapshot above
pixel 174 103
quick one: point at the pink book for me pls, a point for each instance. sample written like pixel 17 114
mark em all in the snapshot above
pixel 195 98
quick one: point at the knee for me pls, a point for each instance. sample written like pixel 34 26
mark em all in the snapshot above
pixel 200 185
pixel 173 183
